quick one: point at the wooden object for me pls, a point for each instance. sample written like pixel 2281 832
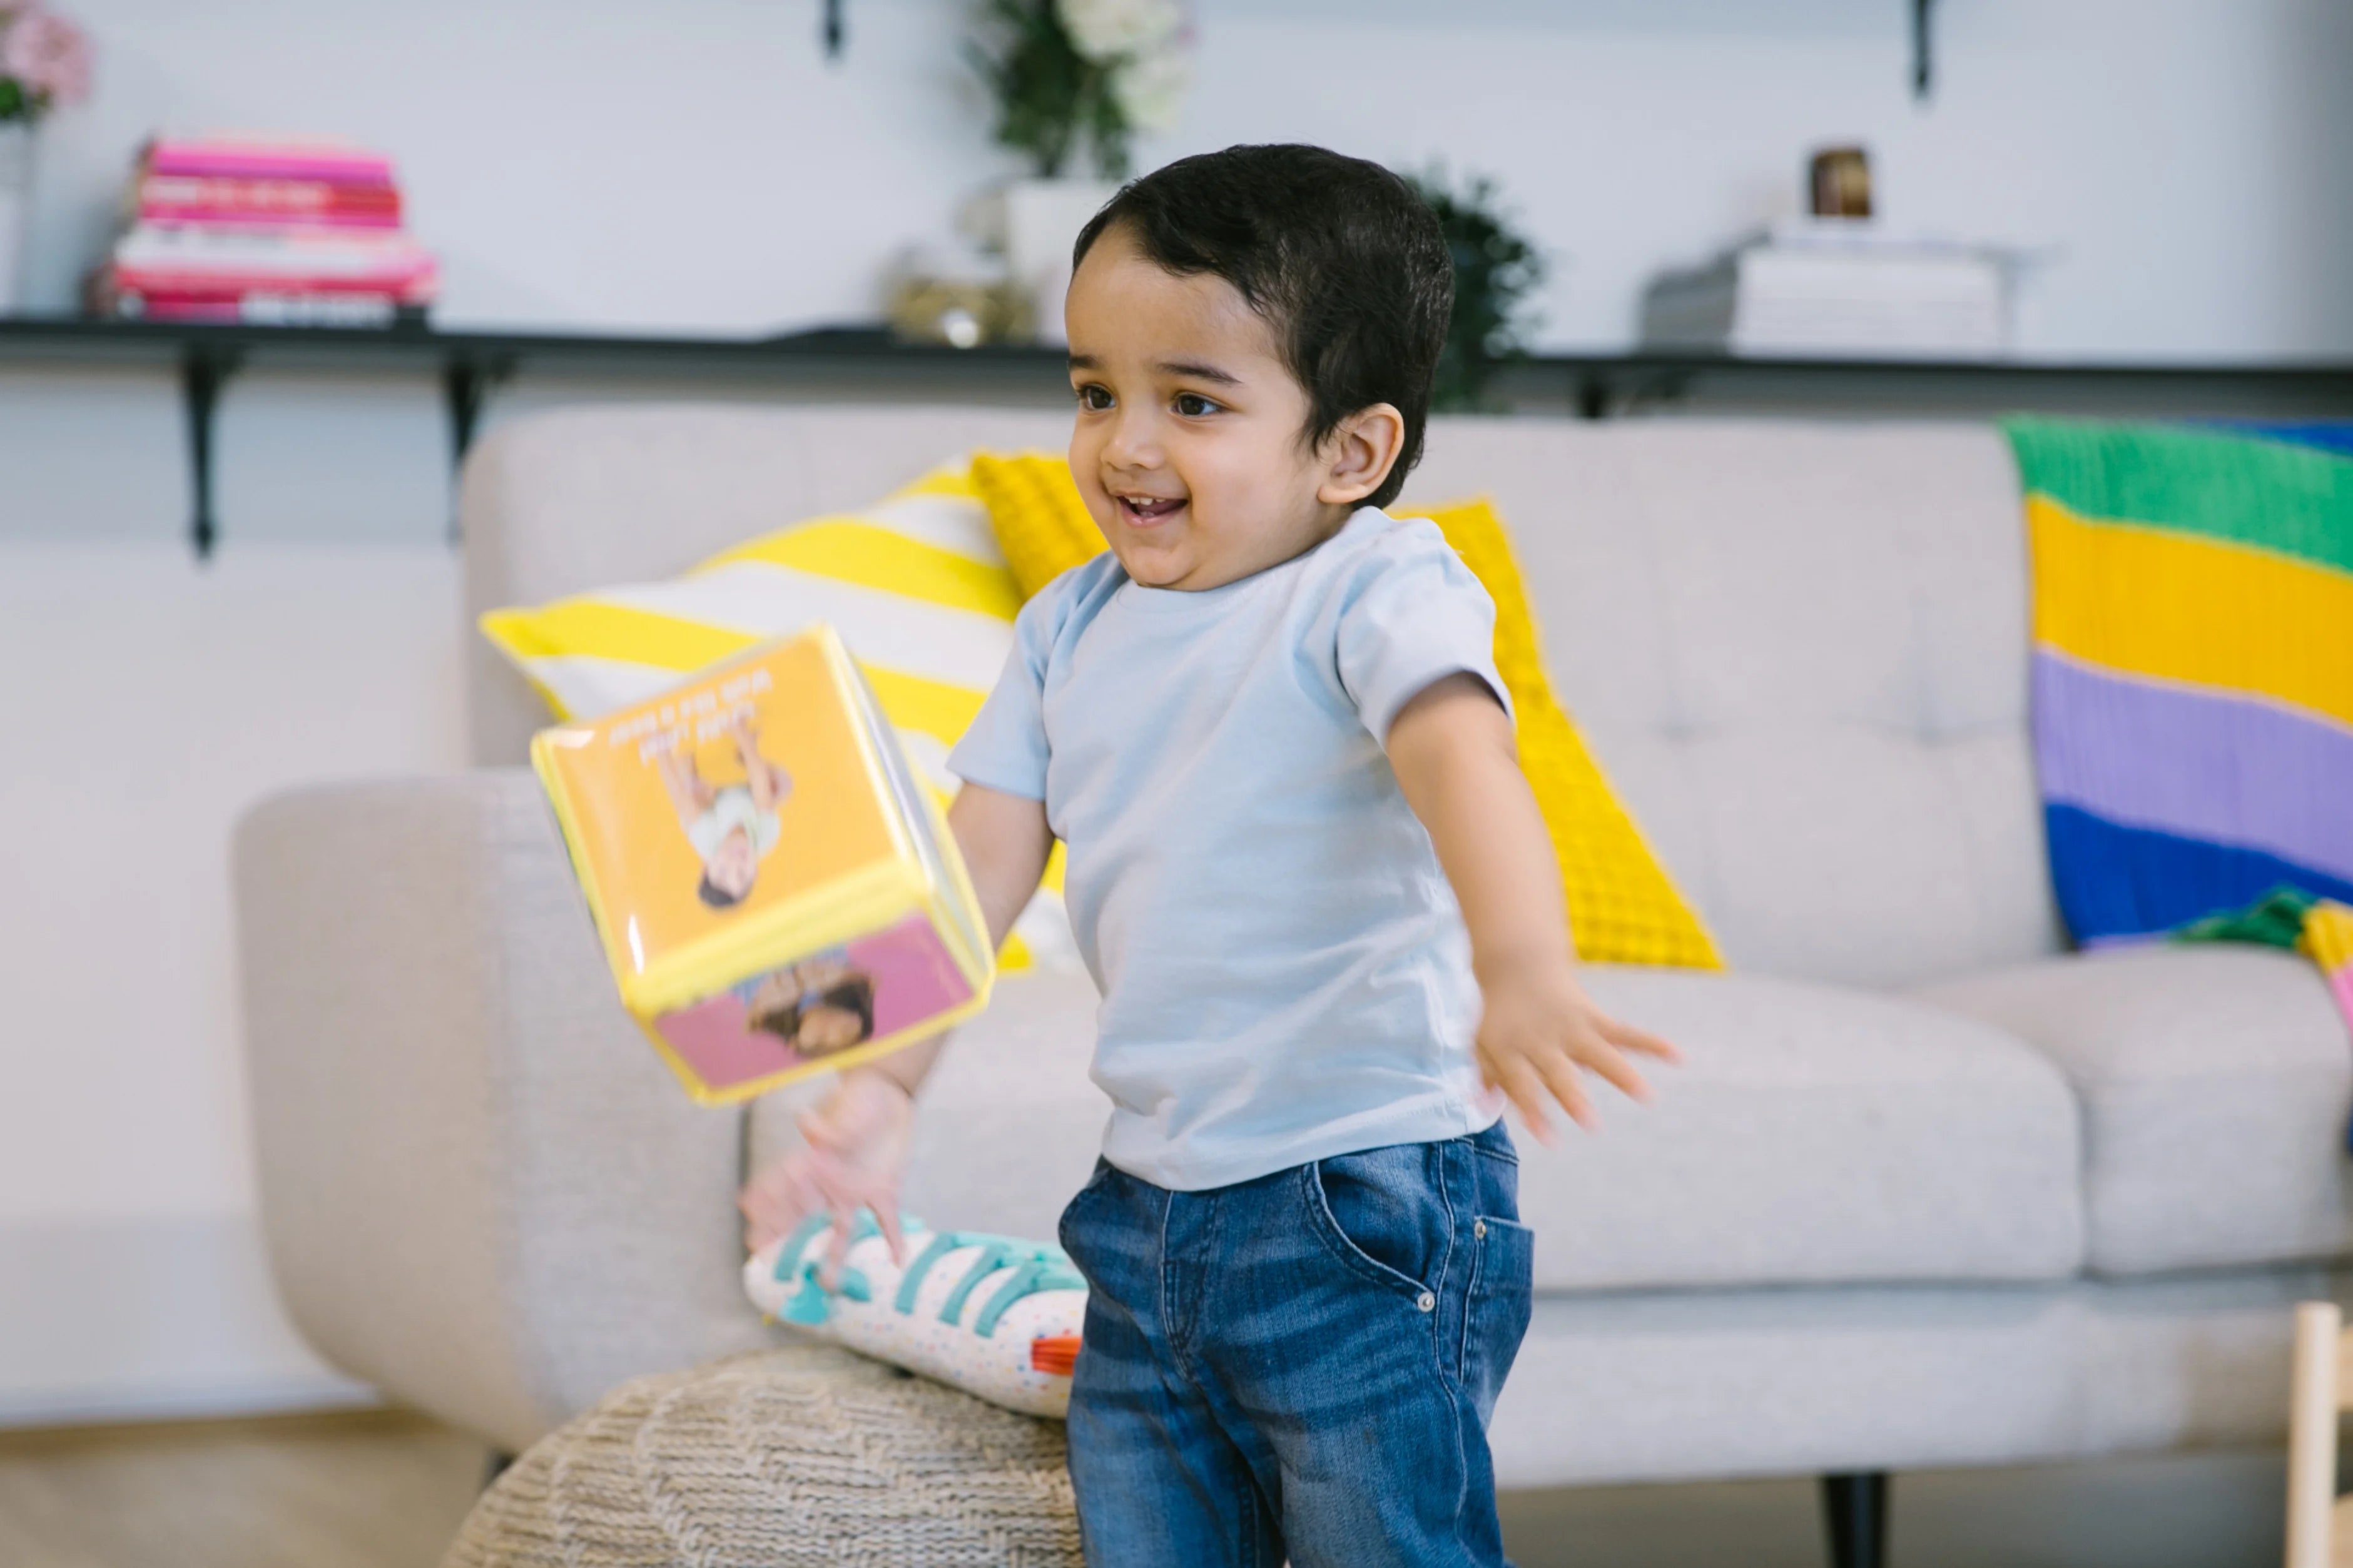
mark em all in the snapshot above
pixel 1840 183
pixel 2319 1525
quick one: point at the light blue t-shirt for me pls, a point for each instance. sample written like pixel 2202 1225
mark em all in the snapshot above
pixel 1284 971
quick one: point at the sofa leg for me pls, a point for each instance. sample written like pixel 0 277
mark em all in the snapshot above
pixel 1854 1516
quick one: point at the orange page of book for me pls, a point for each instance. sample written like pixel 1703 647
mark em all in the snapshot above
pixel 635 837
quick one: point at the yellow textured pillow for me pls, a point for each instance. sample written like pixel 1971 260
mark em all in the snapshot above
pixel 1623 907
pixel 1034 509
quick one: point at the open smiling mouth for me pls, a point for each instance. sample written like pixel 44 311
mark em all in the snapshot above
pixel 1147 511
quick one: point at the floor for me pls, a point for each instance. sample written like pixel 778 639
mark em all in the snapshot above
pixel 359 1489
pixel 380 1489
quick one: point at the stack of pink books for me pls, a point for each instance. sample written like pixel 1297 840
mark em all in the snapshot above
pixel 247 229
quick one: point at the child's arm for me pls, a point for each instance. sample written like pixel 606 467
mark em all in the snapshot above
pixel 1452 749
pixel 856 1142
pixel 689 795
pixel 769 783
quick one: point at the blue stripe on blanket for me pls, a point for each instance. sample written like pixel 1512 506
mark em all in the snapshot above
pixel 2150 881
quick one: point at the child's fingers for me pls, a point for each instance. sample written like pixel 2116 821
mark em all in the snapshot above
pixel 1525 1087
pixel 772 1203
pixel 1560 1076
pixel 886 1217
pixel 818 1126
pixel 837 1246
pixel 1604 1060
pixel 1627 1037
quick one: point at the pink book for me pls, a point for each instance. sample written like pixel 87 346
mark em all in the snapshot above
pixel 259 159
pixel 417 290
pixel 184 198
pixel 211 215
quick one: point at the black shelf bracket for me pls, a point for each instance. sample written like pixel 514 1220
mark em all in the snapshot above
pixel 204 369
pixel 833 30
pixel 466 383
pixel 1922 47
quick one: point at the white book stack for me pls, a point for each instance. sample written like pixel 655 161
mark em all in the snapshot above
pixel 1840 288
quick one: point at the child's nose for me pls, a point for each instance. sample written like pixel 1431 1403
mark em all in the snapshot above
pixel 1134 442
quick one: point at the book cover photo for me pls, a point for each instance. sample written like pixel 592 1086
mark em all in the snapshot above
pixel 775 893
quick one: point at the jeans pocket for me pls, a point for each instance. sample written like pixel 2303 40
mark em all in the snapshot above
pixel 1503 1296
pixel 1071 1226
pixel 1377 1211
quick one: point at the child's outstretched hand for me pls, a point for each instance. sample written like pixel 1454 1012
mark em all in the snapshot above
pixel 855 1149
pixel 1541 1032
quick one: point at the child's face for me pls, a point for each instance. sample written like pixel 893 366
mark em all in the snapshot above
pixel 1188 446
pixel 733 866
pixel 826 1028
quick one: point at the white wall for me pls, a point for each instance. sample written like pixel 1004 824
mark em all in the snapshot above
pixel 694 166
pixel 148 701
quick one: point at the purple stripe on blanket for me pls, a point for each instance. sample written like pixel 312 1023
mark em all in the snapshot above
pixel 2228 769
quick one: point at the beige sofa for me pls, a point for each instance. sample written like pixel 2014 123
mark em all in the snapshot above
pixel 1928 1193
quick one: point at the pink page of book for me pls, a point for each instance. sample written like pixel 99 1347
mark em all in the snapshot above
pixel 799 1015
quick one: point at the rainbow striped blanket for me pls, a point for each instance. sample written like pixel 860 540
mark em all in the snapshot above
pixel 2193 680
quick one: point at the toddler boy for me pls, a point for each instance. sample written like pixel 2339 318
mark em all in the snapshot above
pixel 1308 876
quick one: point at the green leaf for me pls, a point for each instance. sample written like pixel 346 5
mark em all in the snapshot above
pixel 1495 269
pixel 1048 97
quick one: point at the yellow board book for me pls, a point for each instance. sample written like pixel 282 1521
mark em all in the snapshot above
pixel 775 893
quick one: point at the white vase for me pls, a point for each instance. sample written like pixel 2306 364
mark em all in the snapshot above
pixel 1041 220
pixel 15 210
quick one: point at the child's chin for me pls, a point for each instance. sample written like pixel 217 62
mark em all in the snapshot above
pixel 1152 568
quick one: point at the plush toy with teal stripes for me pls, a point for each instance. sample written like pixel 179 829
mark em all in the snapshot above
pixel 997 1317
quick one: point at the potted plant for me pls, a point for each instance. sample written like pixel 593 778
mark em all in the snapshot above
pixel 1495 269
pixel 44 62
pixel 1074 81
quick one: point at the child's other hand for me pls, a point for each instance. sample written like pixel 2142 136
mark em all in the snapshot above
pixel 855 1148
pixel 1539 1031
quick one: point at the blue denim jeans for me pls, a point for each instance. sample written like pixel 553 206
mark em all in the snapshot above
pixel 1298 1365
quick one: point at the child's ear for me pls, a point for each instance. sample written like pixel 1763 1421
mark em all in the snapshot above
pixel 1359 454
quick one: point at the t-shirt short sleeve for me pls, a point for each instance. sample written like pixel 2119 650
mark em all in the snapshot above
pixel 1005 747
pixel 1414 614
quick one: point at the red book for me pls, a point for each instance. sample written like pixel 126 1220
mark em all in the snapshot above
pixel 207 285
pixel 185 198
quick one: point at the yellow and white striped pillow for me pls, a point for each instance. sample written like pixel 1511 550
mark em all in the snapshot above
pixel 916 584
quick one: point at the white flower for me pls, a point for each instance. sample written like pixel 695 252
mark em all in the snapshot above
pixel 1103 30
pixel 1150 89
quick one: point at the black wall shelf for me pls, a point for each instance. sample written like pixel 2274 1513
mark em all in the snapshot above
pixel 469 365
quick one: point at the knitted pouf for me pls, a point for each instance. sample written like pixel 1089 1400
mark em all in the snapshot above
pixel 806 1455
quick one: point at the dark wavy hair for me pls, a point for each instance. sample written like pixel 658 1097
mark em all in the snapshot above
pixel 854 993
pixel 1337 255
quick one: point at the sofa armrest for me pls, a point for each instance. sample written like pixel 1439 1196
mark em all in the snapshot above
pixel 482 1191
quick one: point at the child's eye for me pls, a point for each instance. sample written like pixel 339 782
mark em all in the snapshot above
pixel 1192 404
pixel 1094 396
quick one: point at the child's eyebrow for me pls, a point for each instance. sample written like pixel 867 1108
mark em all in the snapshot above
pixel 1195 370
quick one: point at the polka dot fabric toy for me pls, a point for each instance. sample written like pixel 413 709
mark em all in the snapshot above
pixel 994 1316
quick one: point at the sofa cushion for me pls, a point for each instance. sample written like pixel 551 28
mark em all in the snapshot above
pixel 2215 1084
pixel 1814 1134
pixel 1798 650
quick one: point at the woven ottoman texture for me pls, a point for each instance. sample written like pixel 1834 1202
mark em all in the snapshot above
pixel 806 1455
